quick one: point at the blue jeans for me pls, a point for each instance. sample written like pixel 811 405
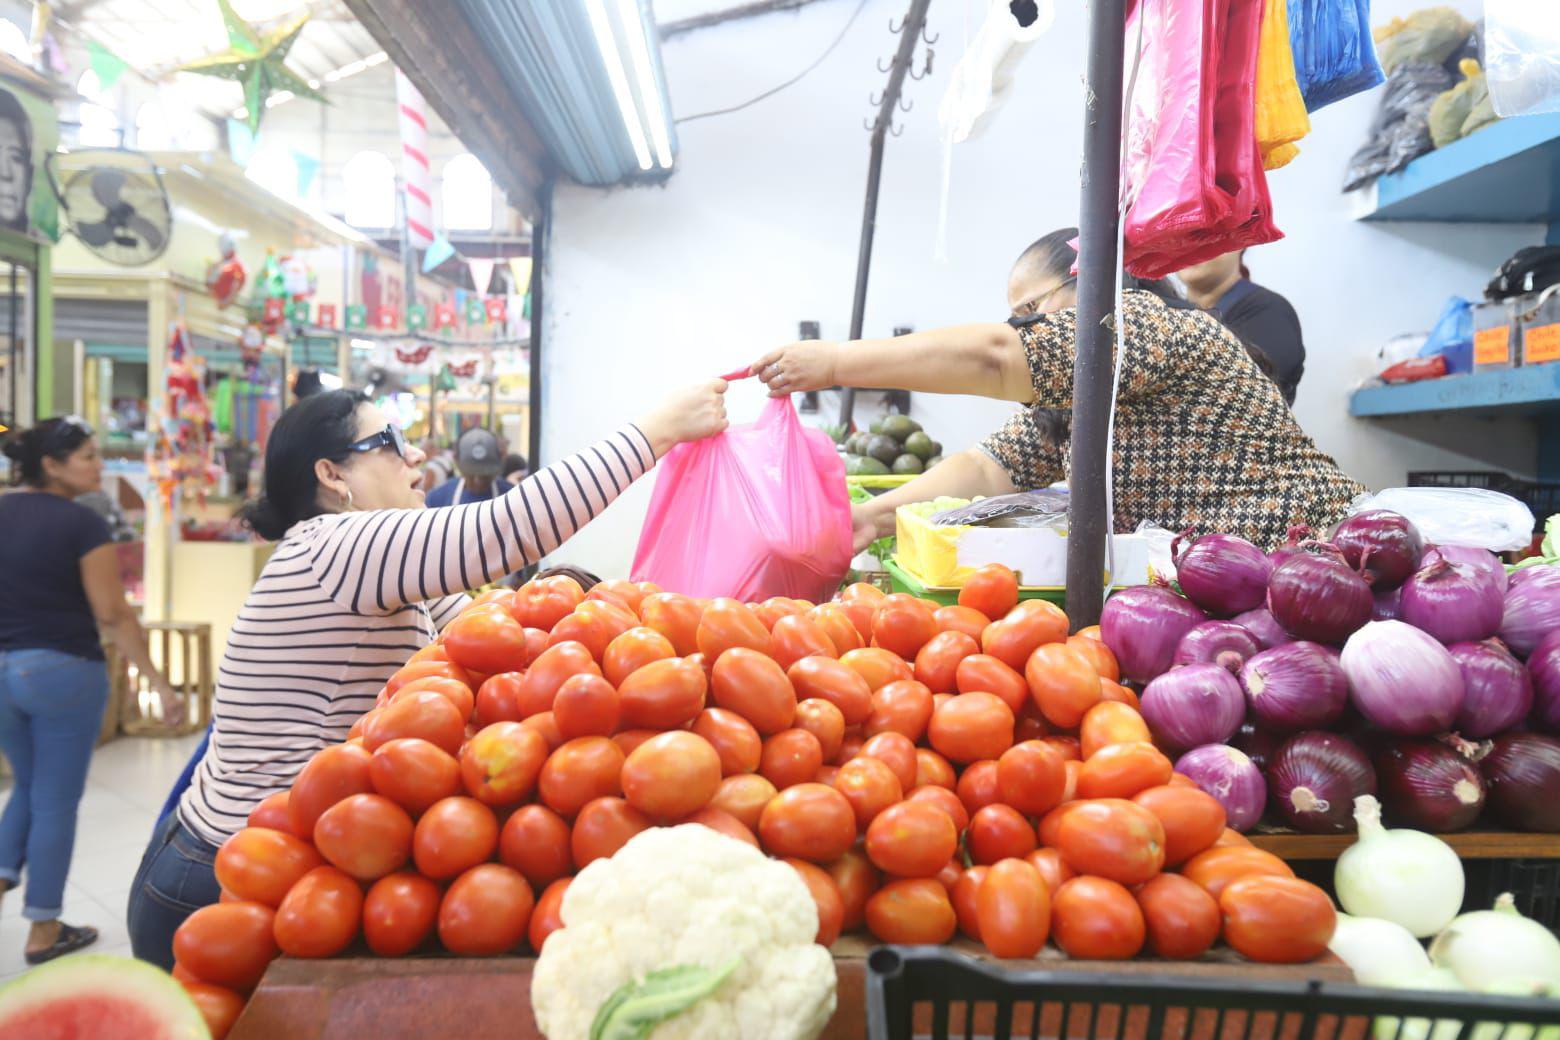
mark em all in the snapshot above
pixel 51 707
pixel 175 879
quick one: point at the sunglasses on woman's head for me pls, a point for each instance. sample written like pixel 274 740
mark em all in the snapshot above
pixel 389 437
pixel 60 430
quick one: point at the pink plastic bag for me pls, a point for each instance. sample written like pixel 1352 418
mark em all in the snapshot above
pixel 758 511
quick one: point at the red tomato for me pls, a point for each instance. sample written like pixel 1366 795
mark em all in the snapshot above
pixel 1277 920
pixel 586 706
pixel 726 624
pixel 455 691
pixel 862 592
pixel 903 626
pixel 675 617
pixel 545 602
pixel 796 637
pixel 937 663
pixel 633 650
pixel 227 944
pixel 547 725
pixel 604 826
pixel 826 895
pixel 414 773
pixel 911 839
pixel 1114 839
pixel 978 786
pixel 1051 824
pixel 319 917
pixel 417 669
pixel 630 593
pixel 877 666
pixel 498 699
pixel 1070 747
pixel 971 727
pixel 931 769
pixel 453 836
pixel 824 721
pixel 744 796
pixel 912 912
pixel 1229 837
pixel 1216 868
pixel 857 879
pixel 486 640
pixel 1063 683
pixel 1114 691
pixel 772 610
pixel 629 739
pixel 1182 919
pixel 671 775
pixel 366 835
pixel 826 775
pixel 1193 820
pixel 733 738
pixel 860 613
pixel 850 747
pixel 1052 867
pixel 399 913
pixel 500 764
pixel 423 714
pixel 663 694
pixel 1097 654
pixel 260 864
pixel 902 707
pixel 272 813
pixel 594 623
pixel 218 1005
pixel 837 683
pixel 583 769
pixel 808 821
pixel 753 686
pixel 966 900
pixel 548 915
pixel 1096 920
pixel 897 752
pixel 999 832
pixel 485 912
pixel 331 775
pixel 836 624
pixel 1014 638
pixel 790 758
pixel 548 672
pixel 1032 777
pixel 535 841
pixel 961 619
pixel 992 590
pixel 1122 770
pixel 982 673
pixel 1029 726
pixel 1110 722
pixel 870 786
pixel 947 801
pixel 723 822
pixel 1013 909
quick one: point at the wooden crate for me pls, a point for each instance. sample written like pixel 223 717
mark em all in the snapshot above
pixel 183 650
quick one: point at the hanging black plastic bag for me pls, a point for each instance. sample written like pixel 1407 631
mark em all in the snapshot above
pixel 1401 131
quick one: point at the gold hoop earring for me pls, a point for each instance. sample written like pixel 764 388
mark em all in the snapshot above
pixel 350 507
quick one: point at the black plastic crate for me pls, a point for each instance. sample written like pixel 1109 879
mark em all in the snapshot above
pixel 930 991
pixel 1534 885
pixel 1489 479
pixel 1543 499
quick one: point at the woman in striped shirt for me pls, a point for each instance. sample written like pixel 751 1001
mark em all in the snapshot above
pixel 363 577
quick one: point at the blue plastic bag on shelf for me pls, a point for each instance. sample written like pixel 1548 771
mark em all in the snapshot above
pixel 1335 56
pixel 1452 336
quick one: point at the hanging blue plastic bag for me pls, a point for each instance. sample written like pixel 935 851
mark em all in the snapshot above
pixel 1335 56
pixel 1452 337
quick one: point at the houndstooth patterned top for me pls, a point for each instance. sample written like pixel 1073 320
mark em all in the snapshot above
pixel 1203 438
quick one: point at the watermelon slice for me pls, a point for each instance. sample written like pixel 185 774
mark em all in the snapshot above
pixel 98 997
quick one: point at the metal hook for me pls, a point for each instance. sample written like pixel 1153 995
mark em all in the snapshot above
pixel 893 28
pixel 875 100
pixel 914 75
pixel 905 105
pixel 868 125
pixel 929 39
pixel 884 69
pixel 895 129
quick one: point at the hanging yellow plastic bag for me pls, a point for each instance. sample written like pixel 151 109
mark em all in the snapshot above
pixel 1281 116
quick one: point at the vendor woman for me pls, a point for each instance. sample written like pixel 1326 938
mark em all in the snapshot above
pixel 363 577
pixel 1203 437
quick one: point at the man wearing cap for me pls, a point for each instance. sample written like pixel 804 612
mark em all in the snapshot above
pixel 479 461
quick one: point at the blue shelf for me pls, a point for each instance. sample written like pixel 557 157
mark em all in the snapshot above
pixel 1534 390
pixel 1508 172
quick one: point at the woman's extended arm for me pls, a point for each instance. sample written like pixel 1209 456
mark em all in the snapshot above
pixel 982 360
pixel 116 618
pixel 966 475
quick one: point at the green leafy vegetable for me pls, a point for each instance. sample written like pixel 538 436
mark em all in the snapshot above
pixel 1549 548
pixel 638 1007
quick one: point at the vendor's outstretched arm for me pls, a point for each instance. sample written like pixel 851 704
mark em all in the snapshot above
pixel 966 475
pixel 982 360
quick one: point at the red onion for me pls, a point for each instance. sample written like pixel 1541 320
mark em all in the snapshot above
pixel 1429 785
pixel 1223 643
pixel 1455 602
pixel 1523 774
pixel 1143 625
pixel 1386 604
pixel 1384 545
pixel 1297 535
pixel 1314 778
pixel 1295 686
pixel 1317 597
pixel 1402 680
pixel 1497 692
pixel 1229 776
pixel 1544 670
pixel 1193 705
pixel 1221 573
pixel 1479 559
pixel 1260 623
pixel 1258 743
pixel 1532 608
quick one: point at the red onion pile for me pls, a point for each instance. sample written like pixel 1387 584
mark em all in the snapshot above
pixel 1143 626
pixel 1223 643
pixel 1229 776
pixel 1544 668
pixel 1193 705
pixel 1497 690
pixel 1532 608
pixel 1317 597
pixel 1430 785
pixel 1221 573
pixel 1295 686
pixel 1260 623
pixel 1314 778
pixel 1455 602
pixel 1523 774
pixel 1402 679
pixel 1384 545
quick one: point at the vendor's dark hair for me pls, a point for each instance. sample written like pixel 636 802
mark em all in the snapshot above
pixel 1054 255
pixel 55 439
pixel 319 427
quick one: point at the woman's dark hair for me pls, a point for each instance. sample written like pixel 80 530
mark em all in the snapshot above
pixel 513 461
pixel 319 427
pixel 55 439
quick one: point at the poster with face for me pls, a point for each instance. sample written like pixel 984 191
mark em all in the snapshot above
pixel 29 133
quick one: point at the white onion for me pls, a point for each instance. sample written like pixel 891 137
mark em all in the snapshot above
pixel 1407 877
pixel 1377 951
pixel 1419 1028
pixel 1493 947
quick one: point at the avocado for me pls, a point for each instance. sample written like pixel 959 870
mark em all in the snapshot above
pixel 876 425
pixel 920 445
pixel 870 467
pixel 908 464
pixel 934 460
pixel 900 427
pixel 884 449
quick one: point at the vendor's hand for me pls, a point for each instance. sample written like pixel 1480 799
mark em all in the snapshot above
pixel 687 415
pixel 864 526
pixel 806 365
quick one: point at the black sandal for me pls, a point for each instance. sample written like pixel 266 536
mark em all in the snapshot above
pixel 70 940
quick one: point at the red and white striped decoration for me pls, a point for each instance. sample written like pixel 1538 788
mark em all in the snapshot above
pixel 415 173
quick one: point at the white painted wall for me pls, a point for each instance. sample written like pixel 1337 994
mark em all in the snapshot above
pixel 757 229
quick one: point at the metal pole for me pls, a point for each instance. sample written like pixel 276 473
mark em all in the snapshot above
pixel 1087 522
pixel 910 35
pixel 540 229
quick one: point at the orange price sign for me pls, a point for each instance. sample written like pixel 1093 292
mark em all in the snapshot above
pixel 1541 343
pixel 1492 346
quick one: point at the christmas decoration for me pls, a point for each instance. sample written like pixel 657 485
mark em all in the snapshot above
pixel 443 316
pixel 357 316
pixel 225 276
pixel 257 61
pixel 108 65
pixel 476 314
pixel 416 317
pixel 298 312
pixel 251 344
pixel 465 369
pixel 384 317
pixel 438 251
pixel 444 382
pixel 180 458
pixel 414 356
pixel 495 308
pixel 326 318
pixel 298 278
pixel 275 310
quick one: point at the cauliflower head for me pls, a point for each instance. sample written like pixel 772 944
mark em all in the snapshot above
pixel 688 896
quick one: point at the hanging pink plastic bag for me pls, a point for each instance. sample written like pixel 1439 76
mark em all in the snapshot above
pixel 759 511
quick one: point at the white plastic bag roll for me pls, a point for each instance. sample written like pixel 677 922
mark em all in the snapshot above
pixel 983 78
